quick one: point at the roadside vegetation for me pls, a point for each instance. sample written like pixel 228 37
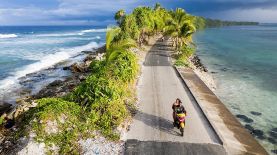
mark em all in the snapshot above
pixel 105 99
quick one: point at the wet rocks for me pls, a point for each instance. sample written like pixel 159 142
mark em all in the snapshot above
pixel 45 92
pixel 272 140
pixel 4 107
pixel 197 63
pixel 82 78
pixel 55 83
pixel 256 113
pixel 66 68
pixel 60 88
pixel 249 128
pixel 273 136
pixel 244 118
pixel 224 69
pixel 258 133
pixel 101 49
pixel 273 133
pixel 78 68
pixel 88 51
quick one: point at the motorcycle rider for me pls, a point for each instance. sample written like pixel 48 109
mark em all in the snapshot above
pixel 177 108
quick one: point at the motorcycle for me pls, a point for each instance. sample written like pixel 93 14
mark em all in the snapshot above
pixel 181 122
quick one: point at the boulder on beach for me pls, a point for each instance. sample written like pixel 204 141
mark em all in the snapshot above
pixel 101 49
pixel 197 63
pixel 55 83
pixel 66 68
pixel 78 68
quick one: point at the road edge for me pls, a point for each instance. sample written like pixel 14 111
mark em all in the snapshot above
pixel 235 138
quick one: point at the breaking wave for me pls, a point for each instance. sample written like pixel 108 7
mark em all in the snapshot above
pixel 2 36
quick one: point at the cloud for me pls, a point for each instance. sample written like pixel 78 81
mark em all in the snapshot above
pixel 65 12
pixel 257 14
pixel 224 5
pixel 100 12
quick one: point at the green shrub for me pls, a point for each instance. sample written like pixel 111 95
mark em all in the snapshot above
pixel 181 62
pixel 187 51
pixel 123 65
pixel 66 118
pixel 1 120
pixel 93 89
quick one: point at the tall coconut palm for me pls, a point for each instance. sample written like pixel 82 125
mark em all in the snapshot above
pixel 180 27
pixel 119 16
pixel 145 21
pixel 114 45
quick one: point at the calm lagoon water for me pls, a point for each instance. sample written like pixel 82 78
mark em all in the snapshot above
pixel 244 59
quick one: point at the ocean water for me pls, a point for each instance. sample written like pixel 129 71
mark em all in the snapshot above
pixel 29 49
pixel 243 61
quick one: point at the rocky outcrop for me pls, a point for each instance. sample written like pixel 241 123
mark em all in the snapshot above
pixel 197 63
pixel 80 71
pixel 56 88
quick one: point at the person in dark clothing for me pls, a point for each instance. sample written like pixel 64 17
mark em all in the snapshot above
pixel 177 108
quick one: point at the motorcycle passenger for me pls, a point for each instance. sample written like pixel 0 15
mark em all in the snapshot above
pixel 177 108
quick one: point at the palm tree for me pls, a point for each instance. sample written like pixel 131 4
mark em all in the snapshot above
pixel 115 46
pixel 119 16
pixel 180 27
pixel 145 21
pixel 157 6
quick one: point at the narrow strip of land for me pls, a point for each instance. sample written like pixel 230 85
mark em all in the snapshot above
pixel 158 88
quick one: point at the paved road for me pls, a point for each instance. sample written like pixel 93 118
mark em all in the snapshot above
pixel 158 88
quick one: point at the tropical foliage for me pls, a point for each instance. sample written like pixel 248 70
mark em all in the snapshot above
pixel 105 98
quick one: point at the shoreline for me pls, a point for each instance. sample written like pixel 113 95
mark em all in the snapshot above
pixel 236 139
pixel 58 88
pixel 39 84
pixel 208 79
pixel 201 70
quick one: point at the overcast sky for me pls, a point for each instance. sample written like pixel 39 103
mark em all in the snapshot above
pixel 100 12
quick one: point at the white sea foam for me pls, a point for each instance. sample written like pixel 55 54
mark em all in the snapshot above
pixel 44 62
pixel 72 33
pixel 2 36
pixel 60 34
pixel 94 30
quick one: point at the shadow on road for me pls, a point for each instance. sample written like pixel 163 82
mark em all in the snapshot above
pixel 135 147
pixel 158 55
pixel 156 122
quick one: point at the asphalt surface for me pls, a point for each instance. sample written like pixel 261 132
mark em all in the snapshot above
pixel 152 131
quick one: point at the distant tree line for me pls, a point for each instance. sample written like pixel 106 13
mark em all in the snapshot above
pixel 201 22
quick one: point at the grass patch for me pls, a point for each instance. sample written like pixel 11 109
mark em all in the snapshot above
pixel 1 120
pixel 183 56
pixel 56 122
